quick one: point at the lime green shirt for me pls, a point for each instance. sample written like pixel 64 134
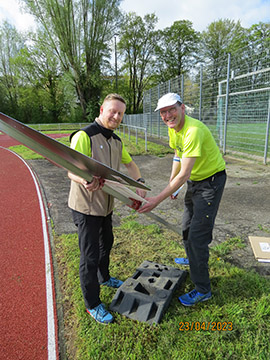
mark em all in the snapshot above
pixel 81 142
pixel 196 140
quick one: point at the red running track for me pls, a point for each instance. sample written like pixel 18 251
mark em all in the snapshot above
pixel 27 301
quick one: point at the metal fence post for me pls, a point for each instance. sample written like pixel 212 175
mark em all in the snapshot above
pixel 227 102
pixel 201 80
pixel 182 88
pixel 267 134
pixel 158 121
pixel 220 114
pixel 150 112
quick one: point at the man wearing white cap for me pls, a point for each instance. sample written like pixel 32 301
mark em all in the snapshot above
pixel 198 162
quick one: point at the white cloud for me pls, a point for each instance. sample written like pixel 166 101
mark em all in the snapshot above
pixel 201 13
pixel 11 11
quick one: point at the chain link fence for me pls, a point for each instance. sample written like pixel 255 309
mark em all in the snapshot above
pixel 232 98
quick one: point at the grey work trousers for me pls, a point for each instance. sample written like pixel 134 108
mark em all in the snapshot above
pixel 201 204
pixel 95 243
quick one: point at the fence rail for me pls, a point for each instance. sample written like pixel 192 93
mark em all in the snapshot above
pixel 136 129
pixel 58 126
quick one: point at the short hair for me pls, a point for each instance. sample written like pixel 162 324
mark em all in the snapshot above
pixel 110 97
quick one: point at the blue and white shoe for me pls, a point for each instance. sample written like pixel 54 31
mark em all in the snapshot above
pixel 113 282
pixel 100 314
pixel 193 297
pixel 182 261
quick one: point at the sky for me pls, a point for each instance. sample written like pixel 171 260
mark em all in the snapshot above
pixel 200 12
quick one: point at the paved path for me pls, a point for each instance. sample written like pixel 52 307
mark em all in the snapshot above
pixel 27 303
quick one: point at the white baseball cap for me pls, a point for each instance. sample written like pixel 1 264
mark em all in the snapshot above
pixel 168 100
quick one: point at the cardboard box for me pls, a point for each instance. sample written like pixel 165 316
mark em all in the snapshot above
pixel 261 247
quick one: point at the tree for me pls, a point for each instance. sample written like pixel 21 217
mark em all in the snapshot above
pixel 78 32
pixel 176 51
pixel 10 44
pixel 40 70
pixel 220 38
pixel 136 45
pixel 257 49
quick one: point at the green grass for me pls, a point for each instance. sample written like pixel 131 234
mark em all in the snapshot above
pixel 28 154
pixel 248 138
pixel 240 297
pixel 139 148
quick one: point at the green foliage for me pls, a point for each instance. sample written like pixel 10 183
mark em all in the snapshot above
pixel 137 42
pixel 216 42
pixel 10 42
pixel 218 39
pixel 177 50
pixel 78 33
pixel 63 71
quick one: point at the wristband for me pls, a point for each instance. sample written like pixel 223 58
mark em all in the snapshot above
pixel 176 158
pixel 141 180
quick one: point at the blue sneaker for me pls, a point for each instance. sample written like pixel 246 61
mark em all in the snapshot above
pixel 113 282
pixel 100 314
pixel 193 297
pixel 181 261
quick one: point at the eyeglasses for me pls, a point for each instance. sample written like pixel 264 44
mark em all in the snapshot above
pixel 169 111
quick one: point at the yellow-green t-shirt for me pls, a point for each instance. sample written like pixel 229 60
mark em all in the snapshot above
pixel 196 140
pixel 81 142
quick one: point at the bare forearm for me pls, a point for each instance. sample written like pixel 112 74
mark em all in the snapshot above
pixel 176 167
pixel 96 183
pixel 173 185
pixel 76 178
pixel 135 173
pixel 133 170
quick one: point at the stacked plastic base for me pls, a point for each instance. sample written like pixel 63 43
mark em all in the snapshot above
pixel 146 295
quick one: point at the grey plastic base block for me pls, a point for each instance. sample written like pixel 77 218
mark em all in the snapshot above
pixel 146 295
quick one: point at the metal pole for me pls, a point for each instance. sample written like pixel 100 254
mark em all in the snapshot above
pixel 145 139
pixel 227 102
pixel 182 88
pixel 267 134
pixel 150 112
pixel 158 118
pixel 201 79
pixel 115 57
pixel 220 113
